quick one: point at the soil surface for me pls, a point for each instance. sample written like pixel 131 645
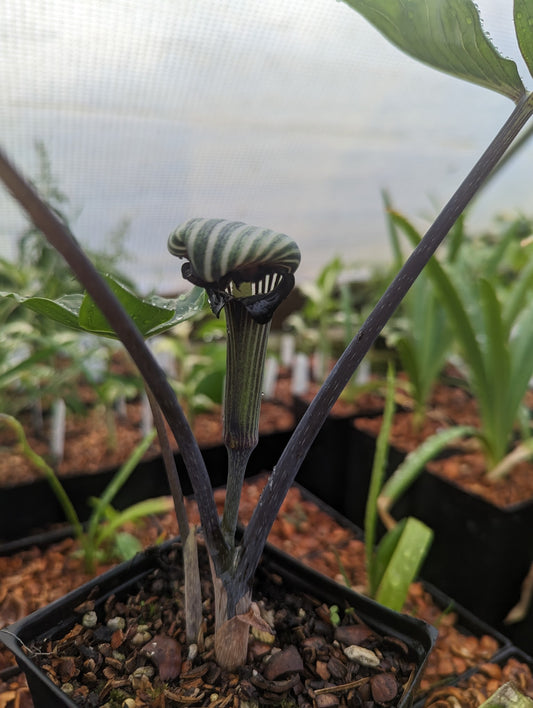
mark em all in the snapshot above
pixel 136 652
pixel 90 446
pixel 35 577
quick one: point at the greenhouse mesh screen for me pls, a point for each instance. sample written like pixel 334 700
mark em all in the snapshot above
pixel 288 115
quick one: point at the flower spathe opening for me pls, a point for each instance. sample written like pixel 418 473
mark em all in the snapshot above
pixel 265 296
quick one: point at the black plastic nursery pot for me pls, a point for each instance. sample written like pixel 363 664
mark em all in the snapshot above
pixel 60 617
pixel 326 470
pixel 480 553
pixel 521 633
pixel 29 508
pixel 323 471
pixel 358 465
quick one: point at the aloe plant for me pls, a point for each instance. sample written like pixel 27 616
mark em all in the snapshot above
pixel 447 35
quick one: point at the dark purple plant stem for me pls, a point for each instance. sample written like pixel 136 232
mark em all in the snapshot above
pixel 170 467
pixel 60 237
pixel 293 455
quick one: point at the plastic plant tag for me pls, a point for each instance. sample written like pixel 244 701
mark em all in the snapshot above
pixel 270 377
pixel 300 375
pixel 57 433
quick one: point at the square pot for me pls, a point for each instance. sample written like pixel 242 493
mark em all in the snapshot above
pixel 480 552
pixel 59 617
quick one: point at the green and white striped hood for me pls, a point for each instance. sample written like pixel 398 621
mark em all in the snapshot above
pixel 220 250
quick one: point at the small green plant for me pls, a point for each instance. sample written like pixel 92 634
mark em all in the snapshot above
pixel 334 615
pixel 421 333
pixel 313 324
pixel 199 371
pixel 99 540
pixel 494 328
pixel 394 562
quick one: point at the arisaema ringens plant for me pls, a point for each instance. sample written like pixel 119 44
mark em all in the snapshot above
pixel 447 35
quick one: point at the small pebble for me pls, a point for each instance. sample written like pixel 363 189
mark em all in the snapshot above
pixel 89 619
pixel 116 623
pixel 141 636
pixel 141 671
pixel 362 656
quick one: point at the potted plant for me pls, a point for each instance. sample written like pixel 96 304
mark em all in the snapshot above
pixel 249 305
pixel 249 271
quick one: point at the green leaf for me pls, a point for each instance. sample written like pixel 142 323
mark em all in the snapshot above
pixel 64 310
pixel 394 236
pixel 376 478
pixel 152 315
pixel 133 513
pixel 404 563
pixel 458 314
pixel 523 22
pixel 383 554
pixel 407 472
pixel 446 34
pixel 517 298
pixel 521 362
pixel 498 367
pixel 426 342
pixel 212 386
pixel 126 546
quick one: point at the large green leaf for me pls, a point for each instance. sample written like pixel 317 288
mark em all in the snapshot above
pixel 446 34
pixel 152 315
pixel 63 310
pixel 523 21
